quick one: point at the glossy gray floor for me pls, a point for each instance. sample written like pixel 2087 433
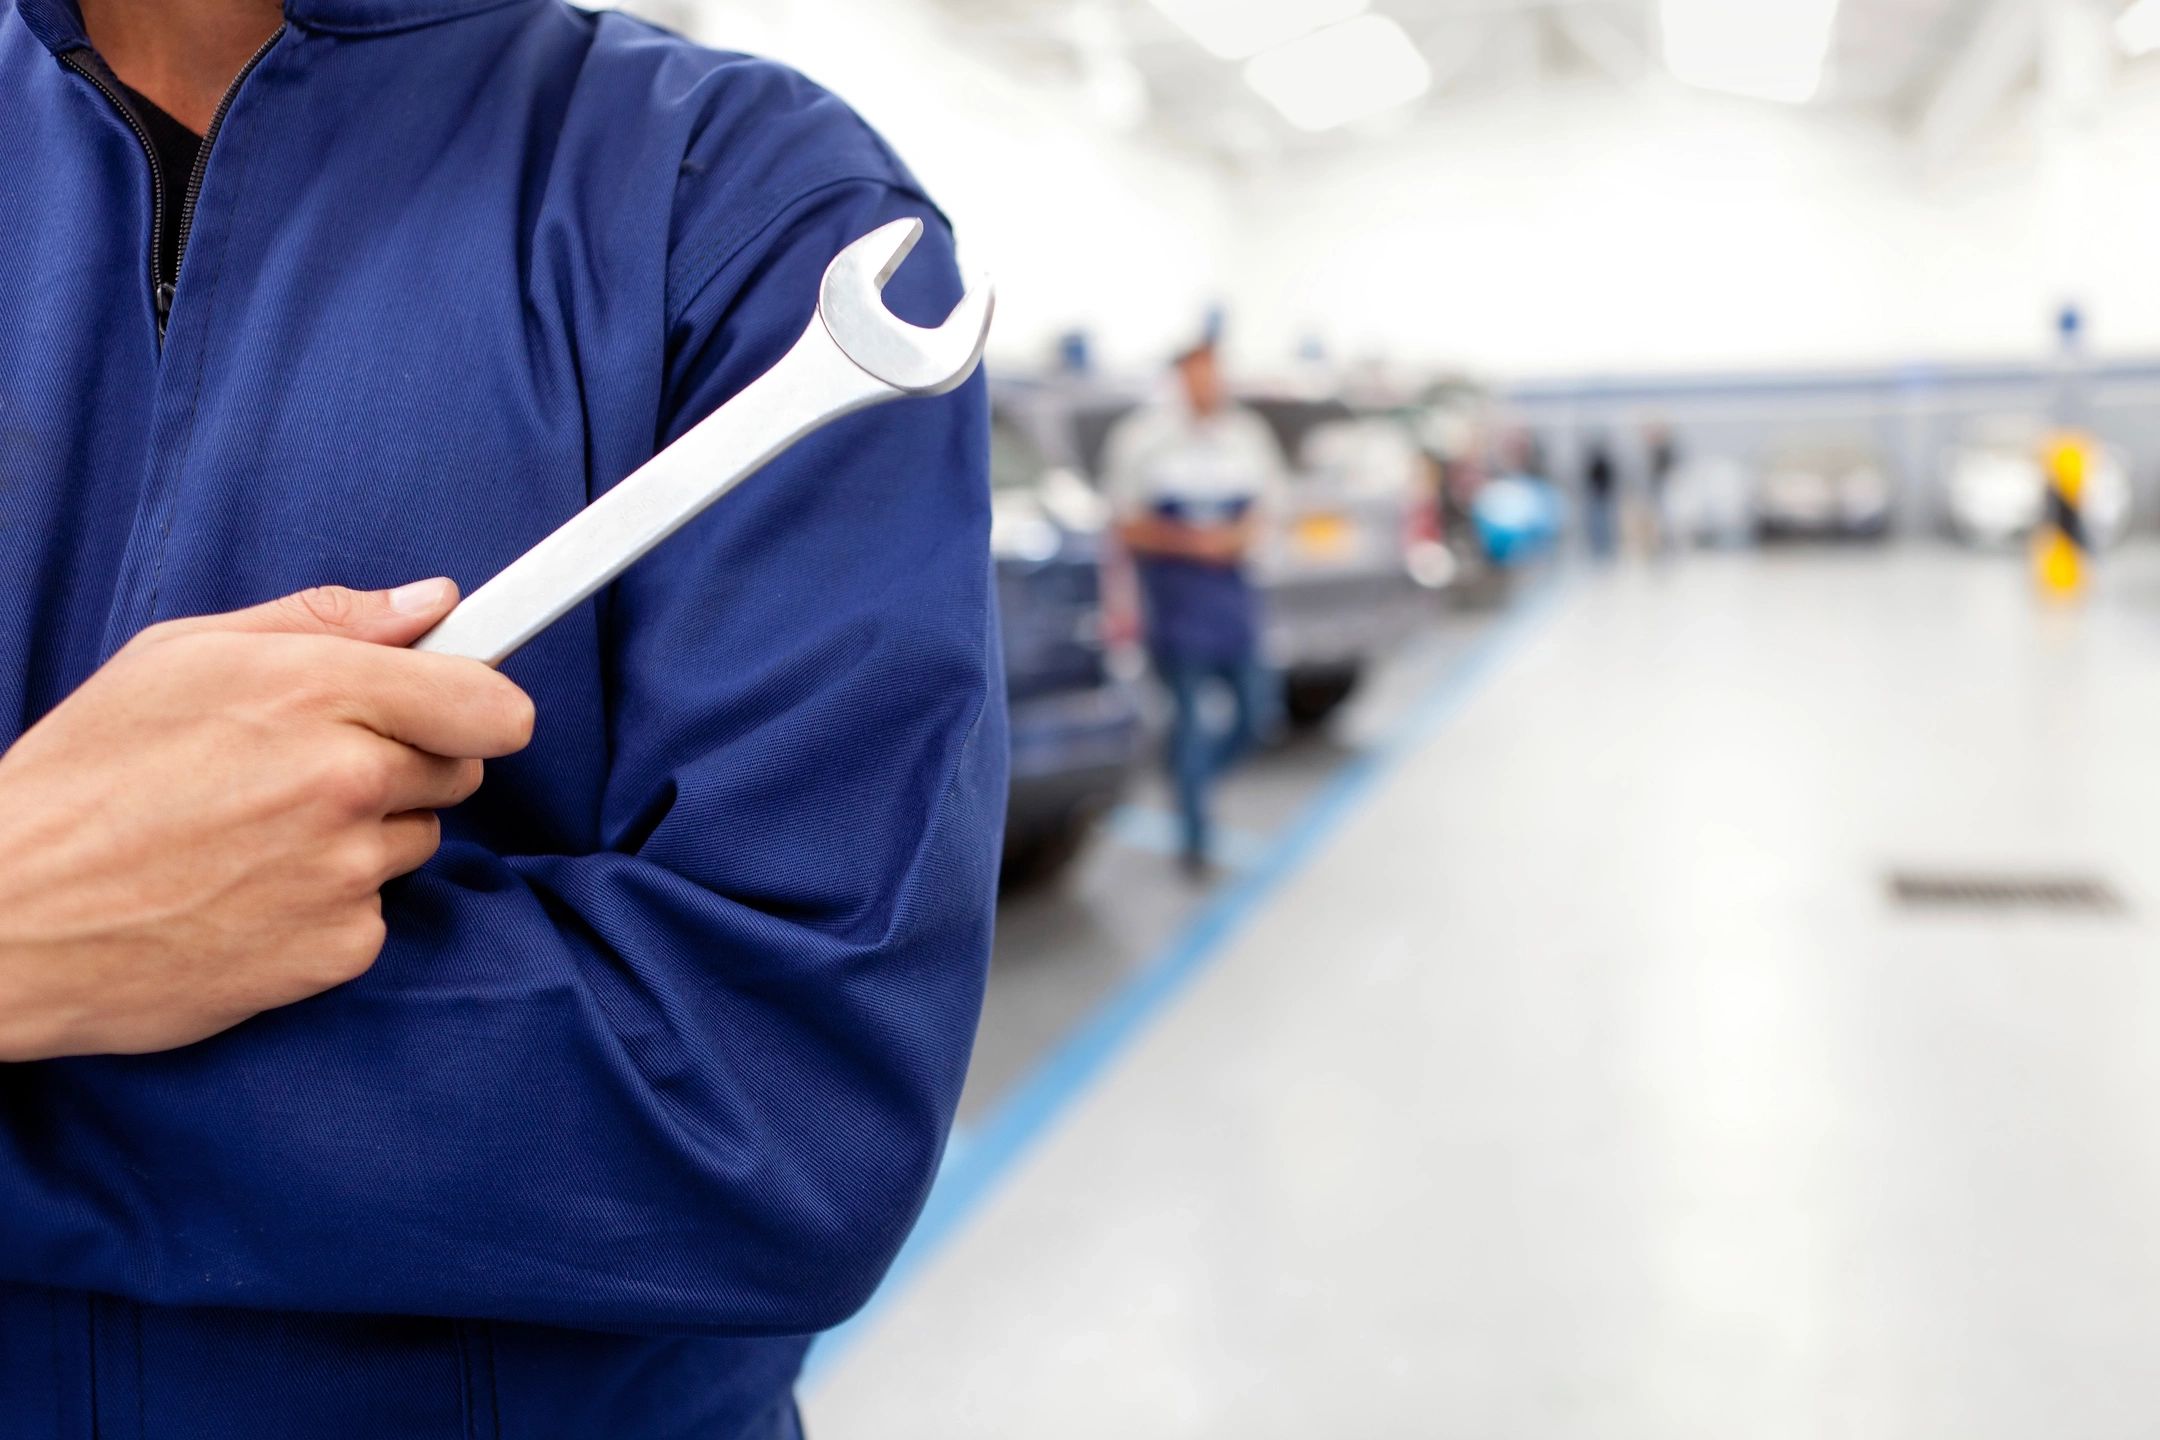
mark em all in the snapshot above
pixel 1589 1084
pixel 1065 948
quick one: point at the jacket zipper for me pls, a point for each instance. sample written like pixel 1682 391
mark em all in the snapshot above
pixel 202 164
pixel 162 285
pixel 163 296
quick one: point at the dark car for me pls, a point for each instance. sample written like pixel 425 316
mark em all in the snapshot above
pixel 1070 655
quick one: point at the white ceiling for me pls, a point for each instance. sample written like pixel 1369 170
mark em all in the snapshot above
pixel 1886 55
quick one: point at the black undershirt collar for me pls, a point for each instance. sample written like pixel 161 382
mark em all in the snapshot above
pixel 174 147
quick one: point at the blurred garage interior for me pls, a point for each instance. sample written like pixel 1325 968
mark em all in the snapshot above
pixel 1674 972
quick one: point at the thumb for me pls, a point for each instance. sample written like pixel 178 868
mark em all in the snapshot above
pixel 379 617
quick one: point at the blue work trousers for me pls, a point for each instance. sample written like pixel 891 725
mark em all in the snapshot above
pixel 1199 752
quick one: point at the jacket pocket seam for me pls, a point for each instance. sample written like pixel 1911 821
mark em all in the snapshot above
pixel 52 1301
pixel 487 1328
pixel 142 1406
pixel 465 1385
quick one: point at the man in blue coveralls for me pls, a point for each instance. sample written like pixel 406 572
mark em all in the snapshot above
pixel 1189 480
pixel 574 1112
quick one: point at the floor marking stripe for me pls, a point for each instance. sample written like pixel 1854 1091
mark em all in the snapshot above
pixel 977 1163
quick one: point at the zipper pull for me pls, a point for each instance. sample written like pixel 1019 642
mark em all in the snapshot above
pixel 164 305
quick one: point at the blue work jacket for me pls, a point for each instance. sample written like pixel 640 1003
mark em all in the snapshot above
pixel 655 1071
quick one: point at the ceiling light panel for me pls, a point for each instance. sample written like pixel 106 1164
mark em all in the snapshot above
pixel 1763 49
pixel 1342 74
pixel 1236 29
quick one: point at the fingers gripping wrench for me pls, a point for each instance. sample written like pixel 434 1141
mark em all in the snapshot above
pixel 855 354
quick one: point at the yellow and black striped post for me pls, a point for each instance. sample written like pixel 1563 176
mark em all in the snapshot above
pixel 2061 549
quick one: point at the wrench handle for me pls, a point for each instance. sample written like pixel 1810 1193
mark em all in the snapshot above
pixel 812 386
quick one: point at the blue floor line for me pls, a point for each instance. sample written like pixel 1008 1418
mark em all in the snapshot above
pixel 978 1162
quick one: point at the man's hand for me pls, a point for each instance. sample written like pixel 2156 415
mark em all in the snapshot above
pixel 202 831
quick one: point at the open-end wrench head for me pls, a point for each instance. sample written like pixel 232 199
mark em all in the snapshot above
pixel 907 357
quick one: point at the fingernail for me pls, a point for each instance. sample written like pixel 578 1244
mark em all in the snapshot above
pixel 420 596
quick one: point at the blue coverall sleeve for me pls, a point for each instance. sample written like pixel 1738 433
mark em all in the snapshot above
pixel 700 1079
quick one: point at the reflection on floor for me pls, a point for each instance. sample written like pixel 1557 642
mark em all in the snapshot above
pixel 1591 1082
pixel 1155 829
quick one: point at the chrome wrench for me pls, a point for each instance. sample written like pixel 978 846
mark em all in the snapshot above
pixel 855 354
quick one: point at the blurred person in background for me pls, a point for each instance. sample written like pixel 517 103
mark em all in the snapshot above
pixel 1601 497
pixel 1527 450
pixel 1189 480
pixel 1662 457
pixel 576 1111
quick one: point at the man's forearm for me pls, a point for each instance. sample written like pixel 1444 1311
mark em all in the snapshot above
pixel 30 1028
pixel 1152 535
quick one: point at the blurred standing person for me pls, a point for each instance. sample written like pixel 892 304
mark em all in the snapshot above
pixel 1189 480
pixel 1601 485
pixel 1663 452
pixel 1530 458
